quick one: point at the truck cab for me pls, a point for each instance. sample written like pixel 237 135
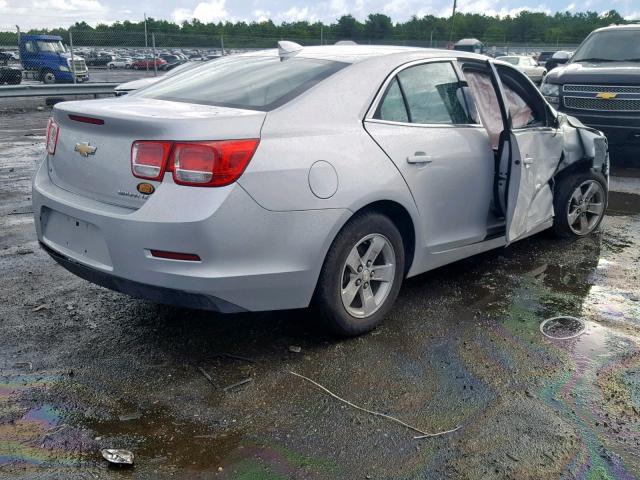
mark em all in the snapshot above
pixel 600 85
pixel 45 58
pixel 472 45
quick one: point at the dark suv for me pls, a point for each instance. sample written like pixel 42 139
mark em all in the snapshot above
pixel 600 86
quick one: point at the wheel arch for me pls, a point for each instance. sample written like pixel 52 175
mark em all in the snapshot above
pixel 400 217
pixel 583 165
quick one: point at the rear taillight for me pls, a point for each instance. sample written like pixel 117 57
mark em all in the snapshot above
pixel 149 159
pixel 211 164
pixel 202 164
pixel 52 136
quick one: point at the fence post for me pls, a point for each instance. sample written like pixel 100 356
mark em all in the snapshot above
pixel 73 60
pixel 221 44
pixel 146 43
pixel 155 65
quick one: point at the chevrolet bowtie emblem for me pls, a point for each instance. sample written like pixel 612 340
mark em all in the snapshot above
pixel 606 95
pixel 84 149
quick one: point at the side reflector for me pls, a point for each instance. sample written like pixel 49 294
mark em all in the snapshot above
pixel 149 159
pixel 189 257
pixel 80 118
pixel 52 136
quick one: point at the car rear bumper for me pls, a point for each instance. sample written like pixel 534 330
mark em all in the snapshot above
pixel 251 259
pixel 145 291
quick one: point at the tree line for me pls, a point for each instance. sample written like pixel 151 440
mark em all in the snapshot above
pixel 522 28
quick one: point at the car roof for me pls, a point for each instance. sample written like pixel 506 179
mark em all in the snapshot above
pixel 357 53
pixel 630 26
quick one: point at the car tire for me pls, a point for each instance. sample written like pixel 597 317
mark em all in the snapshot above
pixel 580 201
pixel 351 297
pixel 48 77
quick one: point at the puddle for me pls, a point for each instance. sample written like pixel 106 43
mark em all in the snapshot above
pixel 562 328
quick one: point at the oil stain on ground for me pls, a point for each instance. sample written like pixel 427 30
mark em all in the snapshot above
pixel 83 368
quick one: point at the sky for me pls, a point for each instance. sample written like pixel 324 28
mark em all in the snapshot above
pixel 50 13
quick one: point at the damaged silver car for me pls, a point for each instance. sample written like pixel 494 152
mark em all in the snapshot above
pixel 316 175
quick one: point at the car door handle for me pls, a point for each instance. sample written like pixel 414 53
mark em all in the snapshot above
pixel 527 160
pixel 420 158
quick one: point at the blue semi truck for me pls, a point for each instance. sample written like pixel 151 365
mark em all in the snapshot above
pixel 46 58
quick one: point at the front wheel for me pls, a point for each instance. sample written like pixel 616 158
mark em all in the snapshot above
pixel 361 275
pixel 48 77
pixel 579 203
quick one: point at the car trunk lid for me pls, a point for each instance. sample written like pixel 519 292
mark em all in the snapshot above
pixel 94 159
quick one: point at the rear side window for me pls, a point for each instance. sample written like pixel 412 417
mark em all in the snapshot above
pixel 255 83
pixel 428 94
pixel 392 107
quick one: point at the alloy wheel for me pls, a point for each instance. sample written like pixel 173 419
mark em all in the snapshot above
pixel 586 207
pixel 368 275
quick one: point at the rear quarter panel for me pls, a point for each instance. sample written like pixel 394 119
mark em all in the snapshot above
pixel 326 123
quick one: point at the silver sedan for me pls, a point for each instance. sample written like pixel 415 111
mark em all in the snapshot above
pixel 318 176
pixel 526 65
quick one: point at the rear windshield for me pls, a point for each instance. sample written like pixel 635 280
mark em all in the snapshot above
pixel 511 60
pixel 254 83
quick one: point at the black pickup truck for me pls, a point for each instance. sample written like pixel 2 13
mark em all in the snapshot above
pixel 600 86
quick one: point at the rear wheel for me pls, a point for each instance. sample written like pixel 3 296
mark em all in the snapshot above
pixel 579 204
pixel 361 275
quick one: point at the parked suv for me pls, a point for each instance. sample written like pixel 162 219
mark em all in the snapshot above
pixel 600 86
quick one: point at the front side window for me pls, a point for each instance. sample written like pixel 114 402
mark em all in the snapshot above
pixel 425 94
pixel 256 83
pixel 30 47
pixel 523 114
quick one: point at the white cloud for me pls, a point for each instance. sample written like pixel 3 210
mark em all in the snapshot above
pixel 206 12
pixel 70 5
pixel 296 14
pixel 53 13
pixel 395 7
pixel 492 8
pixel 261 15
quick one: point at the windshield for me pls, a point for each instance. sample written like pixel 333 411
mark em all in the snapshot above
pixel 610 46
pixel 258 83
pixel 56 47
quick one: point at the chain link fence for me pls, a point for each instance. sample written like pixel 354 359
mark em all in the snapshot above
pixel 120 56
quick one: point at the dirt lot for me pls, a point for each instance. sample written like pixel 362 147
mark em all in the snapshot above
pixel 83 368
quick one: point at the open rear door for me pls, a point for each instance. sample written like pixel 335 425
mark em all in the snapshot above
pixel 531 157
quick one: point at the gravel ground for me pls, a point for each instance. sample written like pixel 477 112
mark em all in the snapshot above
pixel 83 368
